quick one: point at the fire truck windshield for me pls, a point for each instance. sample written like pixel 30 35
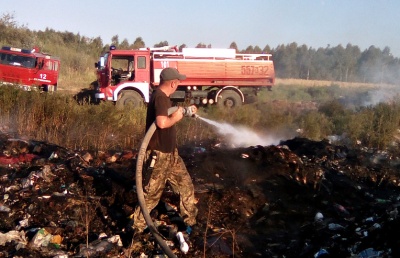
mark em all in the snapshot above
pixel 17 60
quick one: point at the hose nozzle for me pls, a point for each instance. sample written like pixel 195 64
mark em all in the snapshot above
pixel 187 111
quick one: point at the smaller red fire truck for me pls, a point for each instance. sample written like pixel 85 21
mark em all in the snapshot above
pixel 214 76
pixel 29 69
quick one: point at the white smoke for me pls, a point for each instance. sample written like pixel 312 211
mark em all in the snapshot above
pixel 240 136
pixel 381 95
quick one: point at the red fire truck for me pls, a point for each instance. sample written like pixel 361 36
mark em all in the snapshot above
pixel 214 76
pixel 29 69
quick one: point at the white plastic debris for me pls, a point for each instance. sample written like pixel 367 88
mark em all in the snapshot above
pixel 13 235
pixel 244 155
pixel 41 238
pixel 4 208
pixel 320 253
pixel 24 223
pixel 183 245
pixel 334 226
pixel 102 235
pixel 318 217
pixel 115 240
pixel 369 253
pixel 53 155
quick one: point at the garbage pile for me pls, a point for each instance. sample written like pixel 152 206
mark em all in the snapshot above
pixel 301 198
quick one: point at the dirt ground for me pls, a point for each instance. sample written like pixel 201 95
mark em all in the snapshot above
pixel 301 198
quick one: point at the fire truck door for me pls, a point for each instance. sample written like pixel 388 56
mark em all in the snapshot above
pixel 49 73
pixel 142 68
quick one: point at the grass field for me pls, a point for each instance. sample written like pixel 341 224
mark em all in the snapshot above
pixel 318 108
pixel 320 83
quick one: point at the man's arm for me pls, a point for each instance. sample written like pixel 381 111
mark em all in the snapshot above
pixel 168 121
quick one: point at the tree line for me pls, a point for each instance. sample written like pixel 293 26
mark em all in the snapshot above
pixel 338 63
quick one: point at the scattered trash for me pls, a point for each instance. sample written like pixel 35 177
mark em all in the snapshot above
pixel 183 245
pixel 321 253
pixel 199 150
pixel 333 226
pixel 370 253
pixel 341 210
pixel 14 236
pixel 318 217
pixel 335 201
pixel 4 208
pixel 41 239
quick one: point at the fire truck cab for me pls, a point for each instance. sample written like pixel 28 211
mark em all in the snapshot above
pixel 29 69
pixel 214 76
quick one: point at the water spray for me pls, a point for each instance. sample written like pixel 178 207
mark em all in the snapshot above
pixel 240 136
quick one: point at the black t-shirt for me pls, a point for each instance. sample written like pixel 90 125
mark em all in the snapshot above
pixel 163 140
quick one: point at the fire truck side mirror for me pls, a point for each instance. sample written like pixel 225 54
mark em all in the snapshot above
pixel 101 62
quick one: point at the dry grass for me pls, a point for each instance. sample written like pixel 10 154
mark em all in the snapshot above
pixel 59 119
pixel 320 83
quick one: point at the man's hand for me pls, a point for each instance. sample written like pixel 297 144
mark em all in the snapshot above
pixel 177 115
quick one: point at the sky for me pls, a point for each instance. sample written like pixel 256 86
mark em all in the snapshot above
pixel 315 23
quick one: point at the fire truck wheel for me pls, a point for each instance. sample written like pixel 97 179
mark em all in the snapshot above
pixel 130 98
pixel 229 99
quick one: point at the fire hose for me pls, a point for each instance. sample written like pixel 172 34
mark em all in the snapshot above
pixel 139 186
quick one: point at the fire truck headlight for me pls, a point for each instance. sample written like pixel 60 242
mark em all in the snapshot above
pixel 211 101
pixel 189 87
pixel 204 101
pixel 194 87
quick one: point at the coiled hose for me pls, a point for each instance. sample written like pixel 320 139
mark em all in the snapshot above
pixel 139 187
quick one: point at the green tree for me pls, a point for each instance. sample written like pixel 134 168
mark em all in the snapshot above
pixel 351 55
pixel 257 50
pixel 124 44
pixel 201 45
pixel 368 64
pixel 234 46
pixel 161 44
pixel 285 57
pixel 115 40
pixel 138 43
pixel 249 50
pixel 303 62
pixel 267 49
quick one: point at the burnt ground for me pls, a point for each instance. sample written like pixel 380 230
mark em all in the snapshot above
pixel 301 198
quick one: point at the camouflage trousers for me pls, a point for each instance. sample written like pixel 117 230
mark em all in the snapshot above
pixel 169 167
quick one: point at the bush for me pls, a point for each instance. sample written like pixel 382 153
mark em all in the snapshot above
pixel 315 125
pixel 57 118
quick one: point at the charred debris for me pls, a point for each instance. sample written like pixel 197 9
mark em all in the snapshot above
pixel 301 198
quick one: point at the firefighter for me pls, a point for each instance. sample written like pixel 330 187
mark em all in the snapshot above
pixel 165 162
